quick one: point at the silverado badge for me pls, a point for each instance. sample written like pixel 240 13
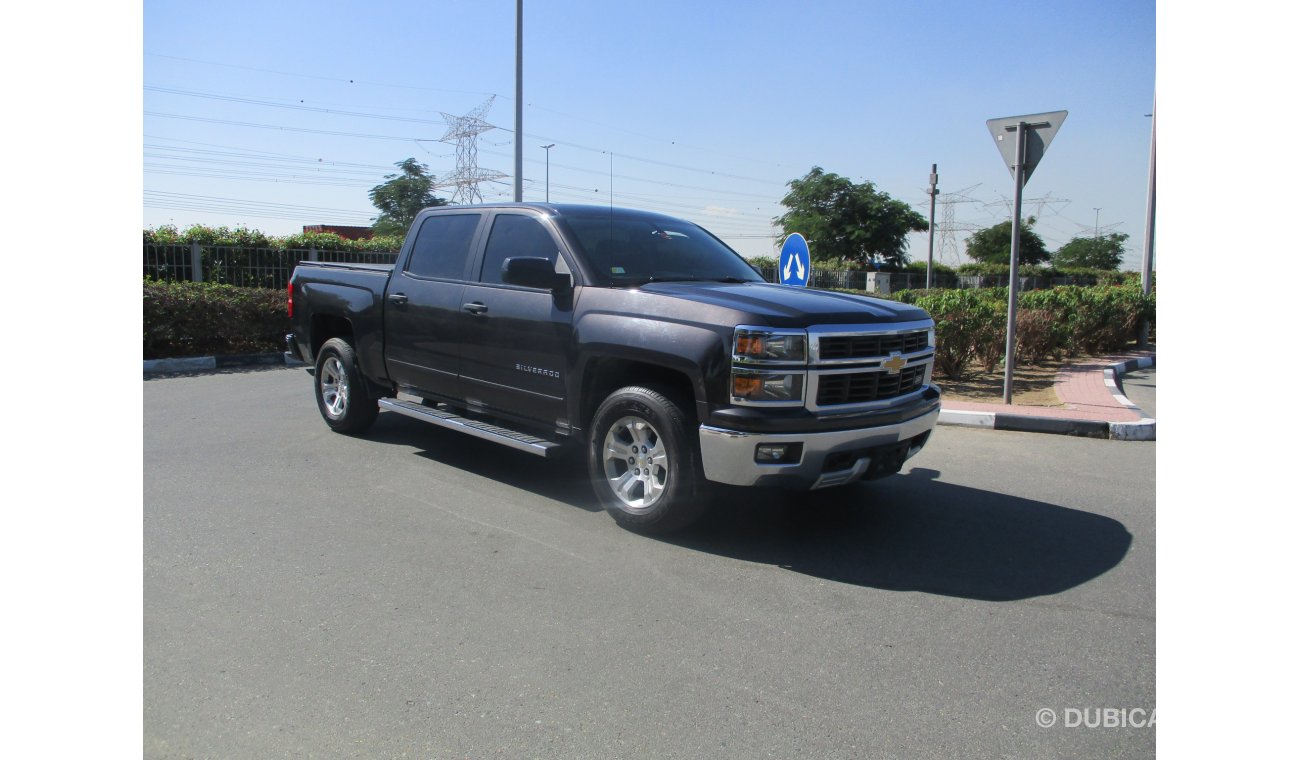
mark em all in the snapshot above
pixel 895 363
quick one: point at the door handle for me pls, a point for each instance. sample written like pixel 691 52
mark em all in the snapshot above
pixel 398 298
pixel 476 307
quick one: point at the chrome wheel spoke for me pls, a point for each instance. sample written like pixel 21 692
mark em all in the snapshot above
pixel 624 485
pixel 636 463
pixel 334 387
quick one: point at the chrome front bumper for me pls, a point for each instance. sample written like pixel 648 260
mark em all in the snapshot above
pixel 728 456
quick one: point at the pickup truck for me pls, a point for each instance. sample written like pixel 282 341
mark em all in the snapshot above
pixel 639 339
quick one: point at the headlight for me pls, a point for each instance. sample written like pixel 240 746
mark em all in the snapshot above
pixel 757 346
pixel 767 386
pixel 930 335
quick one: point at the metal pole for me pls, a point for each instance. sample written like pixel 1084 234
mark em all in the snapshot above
pixel 1022 131
pixel 1149 247
pixel 519 100
pixel 547 148
pixel 929 259
pixel 196 262
pixel 1096 223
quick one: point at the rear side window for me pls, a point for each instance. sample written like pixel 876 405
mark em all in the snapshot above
pixel 515 236
pixel 442 246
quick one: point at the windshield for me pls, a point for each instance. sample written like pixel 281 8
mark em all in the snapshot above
pixel 626 249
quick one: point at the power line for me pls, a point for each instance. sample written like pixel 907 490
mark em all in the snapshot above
pixel 304 130
pixel 315 76
pixel 481 94
pixel 290 106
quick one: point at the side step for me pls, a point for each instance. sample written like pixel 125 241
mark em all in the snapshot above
pixel 442 418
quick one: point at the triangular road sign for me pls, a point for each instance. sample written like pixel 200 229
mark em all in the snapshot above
pixel 1041 129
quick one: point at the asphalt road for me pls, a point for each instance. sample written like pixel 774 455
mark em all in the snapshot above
pixel 418 593
pixel 1140 388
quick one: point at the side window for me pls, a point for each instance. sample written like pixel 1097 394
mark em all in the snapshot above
pixel 514 236
pixel 442 246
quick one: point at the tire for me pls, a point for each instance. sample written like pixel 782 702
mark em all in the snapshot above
pixel 341 390
pixel 644 464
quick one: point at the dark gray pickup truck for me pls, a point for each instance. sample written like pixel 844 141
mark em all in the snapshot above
pixel 639 338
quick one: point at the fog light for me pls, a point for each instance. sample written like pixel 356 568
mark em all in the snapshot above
pixel 778 453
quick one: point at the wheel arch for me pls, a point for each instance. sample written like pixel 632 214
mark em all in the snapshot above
pixel 604 375
pixel 326 326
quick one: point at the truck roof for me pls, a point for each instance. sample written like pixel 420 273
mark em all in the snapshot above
pixel 558 209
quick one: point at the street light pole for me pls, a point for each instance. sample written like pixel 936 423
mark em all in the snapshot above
pixel 929 261
pixel 547 148
pixel 519 100
pixel 1149 243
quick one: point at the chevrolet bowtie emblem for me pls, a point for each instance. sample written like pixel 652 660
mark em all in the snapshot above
pixel 894 364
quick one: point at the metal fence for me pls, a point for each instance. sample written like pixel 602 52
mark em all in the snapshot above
pixel 885 283
pixel 271 268
pixel 244 267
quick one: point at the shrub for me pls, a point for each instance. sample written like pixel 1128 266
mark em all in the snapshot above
pixel 1094 320
pixel 962 320
pixel 918 267
pixel 986 269
pixel 1036 335
pixel 991 342
pixel 202 319
pixel 1069 320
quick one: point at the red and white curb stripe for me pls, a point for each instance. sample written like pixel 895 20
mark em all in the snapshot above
pixel 1140 430
pixel 1145 428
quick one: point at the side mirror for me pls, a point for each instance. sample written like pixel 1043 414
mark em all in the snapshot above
pixel 530 272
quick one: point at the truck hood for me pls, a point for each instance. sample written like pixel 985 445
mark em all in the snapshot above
pixel 785 306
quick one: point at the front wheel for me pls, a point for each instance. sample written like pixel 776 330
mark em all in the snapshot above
pixel 340 389
pixel 644 465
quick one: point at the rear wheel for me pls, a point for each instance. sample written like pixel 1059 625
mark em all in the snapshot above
pixel 340 389
pixel 644 465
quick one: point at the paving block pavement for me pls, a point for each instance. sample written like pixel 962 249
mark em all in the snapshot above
pixel 1093 404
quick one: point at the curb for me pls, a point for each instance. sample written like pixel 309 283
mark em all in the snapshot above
pixel 1142 430
pixel 1145 428
pixel 208 363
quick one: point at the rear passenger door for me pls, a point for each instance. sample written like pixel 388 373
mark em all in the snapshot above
pixel 422 306
pixel 516 339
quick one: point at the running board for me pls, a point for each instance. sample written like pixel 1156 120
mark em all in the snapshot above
pixel 435 416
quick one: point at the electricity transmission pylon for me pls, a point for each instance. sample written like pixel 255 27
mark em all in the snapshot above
pixel 950 248
pixel 464 132
pixel 1041 203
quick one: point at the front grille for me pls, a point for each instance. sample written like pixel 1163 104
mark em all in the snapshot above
pixel 867 346
pixel 861 387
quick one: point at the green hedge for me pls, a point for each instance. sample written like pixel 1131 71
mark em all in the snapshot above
pixel 206 319
pixel 242 237
pixel 1102 276
pixel 970 325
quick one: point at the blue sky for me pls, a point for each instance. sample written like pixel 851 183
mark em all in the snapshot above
pixel 704 110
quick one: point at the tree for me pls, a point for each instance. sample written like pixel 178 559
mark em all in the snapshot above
pixel 402 196
pixel 992 245
pixel 848 221
pixel 1105 252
